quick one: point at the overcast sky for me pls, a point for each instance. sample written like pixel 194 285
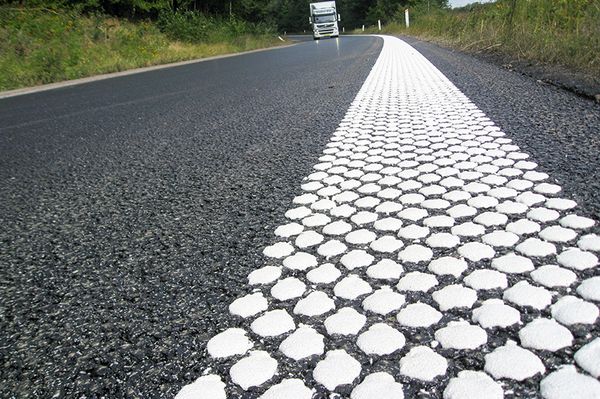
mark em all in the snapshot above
pixel 460 3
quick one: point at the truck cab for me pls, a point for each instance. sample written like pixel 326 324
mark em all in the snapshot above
pixel 324 19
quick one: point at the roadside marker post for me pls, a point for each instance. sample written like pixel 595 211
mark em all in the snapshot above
pixel 406 18
pixel 379 23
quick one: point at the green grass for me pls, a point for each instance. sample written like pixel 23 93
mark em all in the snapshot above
pixel 559 32
pixel 40 46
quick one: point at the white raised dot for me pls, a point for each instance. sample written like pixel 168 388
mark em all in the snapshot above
pixel 385 269
pixel 264 275
pixel 418 315
pixel 386 244
pixel 383 301
pixel 417 281
pixel 303 342
pixel 331 248
pixel 378 385
pixel 342 211
pixel 536 247
pixel 364 217
pixel 587 357
pixel 388 207
pixel 248 305
pixel 461 211
pixel 413 214
pixel 288 388
pixel 557 234
pixel 415 253
pixel 298 213
pixel 572 310
pixel 543 214
pixel 525 294
pixel 590 289
pixel 476 251
pixel 528 198
pixel 289 230
pixel 380 339
pixel 422 363
pixel 468 229
pixel 482 201
pixel 315 220
pixel 439 221
pixel 230 342
pixel 273 323
pixel 346 321
pixel 473 385
pixel 413 232
pixel 300 261
pixel 278 250
pixel 500 238
pixel 523 226
pixel 495 313
pixel 553 276
pixel 253 370
pixel 567 383
pixel 457 195
pixel 206 387
pixel 590 242
pixel 315 304
pixel 560 203
pixel 442 240
pixel 547 188
pixel 485 279
pixel 577 259
pixel 511 263
pixel 323 274
pixel 461 335
pixel 388 224
pixel 351 287
pixel 338 368
pixel 356 258
pixel 288 288
pixel 337 228
pixel 513 362
pixel 448 265
pixel 367 202
pixel 545 334
pixel 491 219
pixel 454 296
pixel 576 222
pixel 511 208
pixel 308 239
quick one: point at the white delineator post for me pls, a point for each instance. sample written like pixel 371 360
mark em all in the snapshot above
pixel 363 28
pixel 379 24
pixel 406 18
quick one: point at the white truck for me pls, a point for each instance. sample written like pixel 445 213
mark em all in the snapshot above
pixel 324 19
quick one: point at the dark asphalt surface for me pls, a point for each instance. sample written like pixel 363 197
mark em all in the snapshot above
pixel 132 210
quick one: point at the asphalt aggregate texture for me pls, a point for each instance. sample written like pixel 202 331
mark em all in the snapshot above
pixel 557 128
pixel 133 209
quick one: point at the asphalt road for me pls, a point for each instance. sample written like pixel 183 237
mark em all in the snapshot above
pixel 134 208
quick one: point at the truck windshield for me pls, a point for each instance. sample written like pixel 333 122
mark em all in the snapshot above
pixel 319 19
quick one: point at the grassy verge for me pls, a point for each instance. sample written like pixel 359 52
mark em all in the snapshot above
pixel 556 32
pixel 40 46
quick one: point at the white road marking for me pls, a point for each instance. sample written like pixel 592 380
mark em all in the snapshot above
pixel 420 214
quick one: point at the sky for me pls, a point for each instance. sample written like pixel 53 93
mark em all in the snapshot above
pixel 460 3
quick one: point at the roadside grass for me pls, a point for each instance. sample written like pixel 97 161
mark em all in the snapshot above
pixel 558 32
pixel 39 46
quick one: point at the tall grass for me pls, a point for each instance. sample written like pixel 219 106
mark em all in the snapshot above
pixel 40 46
pixel 563 32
